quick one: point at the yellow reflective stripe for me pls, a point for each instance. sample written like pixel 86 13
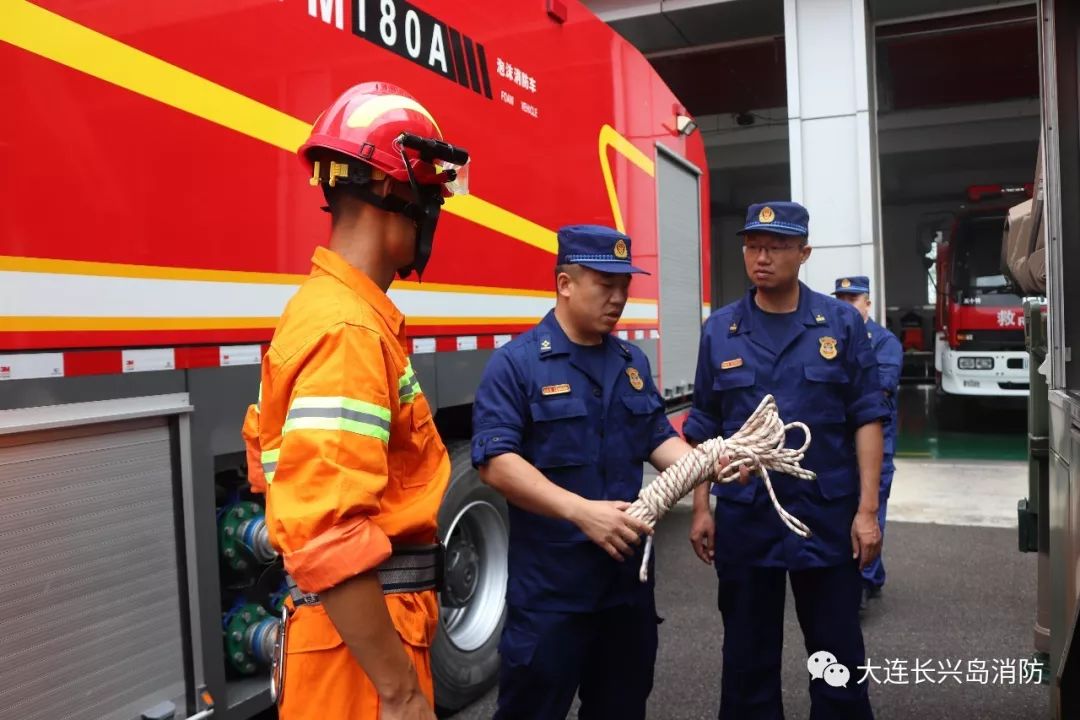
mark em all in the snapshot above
pixel 337 423
pixel 360 406
pixel 408 385
pixel 269 459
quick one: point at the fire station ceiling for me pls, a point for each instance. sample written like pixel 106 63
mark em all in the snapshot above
pixel 957 90
pixel 888 10
pixel 679 25
pixel 728 56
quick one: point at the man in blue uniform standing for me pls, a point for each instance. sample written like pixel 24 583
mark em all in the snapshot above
pixel 890 356
pixel 564 418
pixel 811 352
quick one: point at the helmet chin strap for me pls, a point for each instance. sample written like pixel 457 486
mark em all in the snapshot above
pixel 424 211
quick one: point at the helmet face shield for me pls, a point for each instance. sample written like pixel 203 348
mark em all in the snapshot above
pixel 435 162
pixel 460 184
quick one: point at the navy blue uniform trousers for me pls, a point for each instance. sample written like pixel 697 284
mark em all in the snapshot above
pixel 546 656
pixel 751 601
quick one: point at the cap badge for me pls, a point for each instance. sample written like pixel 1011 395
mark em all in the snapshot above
pixel 620 250
pixel 828 347
pixel 766 215
pixel 845 283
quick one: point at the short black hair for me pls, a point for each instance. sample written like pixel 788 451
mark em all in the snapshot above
pixel 571 269
pixel 344 190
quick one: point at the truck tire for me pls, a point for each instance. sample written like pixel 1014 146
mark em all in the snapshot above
pixel 474 527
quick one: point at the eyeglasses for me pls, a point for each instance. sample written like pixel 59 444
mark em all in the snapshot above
pixel 768 249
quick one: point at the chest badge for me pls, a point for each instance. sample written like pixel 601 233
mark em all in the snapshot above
pixel 635 378
pixel 562 389
pixel 729 364
pixel 828 347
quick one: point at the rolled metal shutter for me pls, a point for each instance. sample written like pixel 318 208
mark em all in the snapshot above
pixel 680 273
pixel 91 626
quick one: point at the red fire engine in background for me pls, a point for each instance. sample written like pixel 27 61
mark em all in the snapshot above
pixel 155 221
pixel 979 318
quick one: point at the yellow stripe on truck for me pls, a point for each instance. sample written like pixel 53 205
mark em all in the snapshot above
pixel 61 40
pixel 610 138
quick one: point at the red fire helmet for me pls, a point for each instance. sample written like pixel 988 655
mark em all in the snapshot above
pixel 369 121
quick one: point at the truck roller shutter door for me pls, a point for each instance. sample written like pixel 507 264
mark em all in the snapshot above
pixel 91 590
pixel 679 218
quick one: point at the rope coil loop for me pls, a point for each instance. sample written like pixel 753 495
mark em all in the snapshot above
pixel 758 445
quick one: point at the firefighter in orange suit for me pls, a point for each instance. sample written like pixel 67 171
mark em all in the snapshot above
pixel 342 440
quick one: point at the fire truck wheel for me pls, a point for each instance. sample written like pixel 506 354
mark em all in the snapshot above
pixel 474 527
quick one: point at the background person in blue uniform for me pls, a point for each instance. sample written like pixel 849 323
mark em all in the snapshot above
pixel 890 357
pixel 564 418
pixel 811 352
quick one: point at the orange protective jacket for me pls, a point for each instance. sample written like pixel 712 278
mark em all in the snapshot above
pixel 344 445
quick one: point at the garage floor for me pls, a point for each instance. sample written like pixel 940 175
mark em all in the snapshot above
pixel 955 594
pixel 957 591
pixel 989 433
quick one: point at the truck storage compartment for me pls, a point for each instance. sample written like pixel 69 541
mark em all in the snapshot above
pixel 93 581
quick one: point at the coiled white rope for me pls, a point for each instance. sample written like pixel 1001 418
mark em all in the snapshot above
pixel 758 444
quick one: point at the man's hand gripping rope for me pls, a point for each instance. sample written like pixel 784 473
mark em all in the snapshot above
pixel 758 445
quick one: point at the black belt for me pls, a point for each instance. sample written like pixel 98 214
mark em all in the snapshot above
pixel 411 568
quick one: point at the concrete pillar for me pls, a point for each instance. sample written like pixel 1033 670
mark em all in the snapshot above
pixel 832 139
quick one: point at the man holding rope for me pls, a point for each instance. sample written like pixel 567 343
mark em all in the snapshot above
pixel 811 352
pixel 564 418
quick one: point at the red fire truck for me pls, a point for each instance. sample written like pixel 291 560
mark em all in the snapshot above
pixel 155 219
pixel 979 319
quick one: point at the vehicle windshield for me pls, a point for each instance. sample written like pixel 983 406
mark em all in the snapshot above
pixel 976 272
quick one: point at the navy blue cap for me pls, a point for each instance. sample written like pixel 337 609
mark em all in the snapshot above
pixel 852 285
pixel 597 247
pixel 780 217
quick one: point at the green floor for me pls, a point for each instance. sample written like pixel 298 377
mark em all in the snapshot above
pixel 991 433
